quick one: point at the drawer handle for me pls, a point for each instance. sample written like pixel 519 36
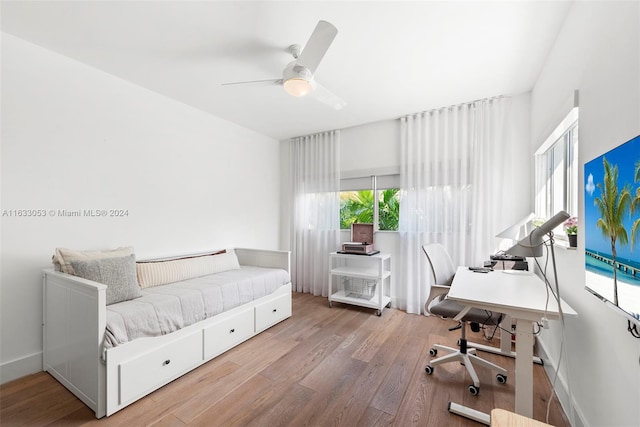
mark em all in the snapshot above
pixel 232 331
pixel 166 362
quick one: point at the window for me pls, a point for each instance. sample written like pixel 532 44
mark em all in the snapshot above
pixel 556 173
pixel 364 205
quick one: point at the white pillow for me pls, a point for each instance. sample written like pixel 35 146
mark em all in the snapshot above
pixel 158 273
pixel 63 257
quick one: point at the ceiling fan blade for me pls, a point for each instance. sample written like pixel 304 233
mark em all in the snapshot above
pixel 327 97
pixel 267 82
pixel 317 46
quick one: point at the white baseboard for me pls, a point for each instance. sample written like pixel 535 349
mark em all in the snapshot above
pixel 21 367
pixel 561 389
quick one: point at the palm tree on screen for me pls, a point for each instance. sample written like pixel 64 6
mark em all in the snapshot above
pixel 612 205
pixel 635 204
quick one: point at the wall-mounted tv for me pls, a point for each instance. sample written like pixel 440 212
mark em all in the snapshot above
pixel 612 227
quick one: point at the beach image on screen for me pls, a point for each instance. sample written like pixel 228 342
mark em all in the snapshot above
pixel 612 226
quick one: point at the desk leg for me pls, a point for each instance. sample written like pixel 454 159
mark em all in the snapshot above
pixel 505 342
pixel 505 336
pixel 524 368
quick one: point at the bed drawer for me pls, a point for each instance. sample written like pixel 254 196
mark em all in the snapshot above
pixel 147 372
pixel 273 311
pixel 223 335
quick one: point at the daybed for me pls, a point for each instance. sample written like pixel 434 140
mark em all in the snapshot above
pixel 109 372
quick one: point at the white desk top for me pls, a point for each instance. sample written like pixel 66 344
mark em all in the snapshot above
pixel 521 295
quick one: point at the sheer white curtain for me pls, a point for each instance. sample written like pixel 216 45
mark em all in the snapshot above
pixel 315 186
pixel 451 161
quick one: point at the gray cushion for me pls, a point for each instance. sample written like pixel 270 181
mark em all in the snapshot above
pixel 119 274
pixel 450 308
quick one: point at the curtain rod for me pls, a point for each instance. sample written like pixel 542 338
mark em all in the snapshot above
pixel 315 135
pixel 450 107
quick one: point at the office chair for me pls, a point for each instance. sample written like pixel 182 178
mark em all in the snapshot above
pixel 438 305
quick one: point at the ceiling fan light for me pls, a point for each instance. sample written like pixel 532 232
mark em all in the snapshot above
pixel 297 86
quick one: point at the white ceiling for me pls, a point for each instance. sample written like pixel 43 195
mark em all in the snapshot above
pixel 389 58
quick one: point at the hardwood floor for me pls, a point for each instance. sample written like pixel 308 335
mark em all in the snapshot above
pixel 323 366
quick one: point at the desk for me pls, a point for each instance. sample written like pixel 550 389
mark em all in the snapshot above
pixel 521 295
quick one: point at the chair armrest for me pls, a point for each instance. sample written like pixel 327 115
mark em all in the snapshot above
pixel 436 291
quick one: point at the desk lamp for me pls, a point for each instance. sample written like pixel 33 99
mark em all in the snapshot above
pixel 513 234
pixel 518 230
pixel 532 244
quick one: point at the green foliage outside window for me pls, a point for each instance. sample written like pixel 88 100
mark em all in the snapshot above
pixel 357 207
pixel 389 209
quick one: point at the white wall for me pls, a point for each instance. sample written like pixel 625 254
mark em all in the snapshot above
pixel 76 138
pixel 598 53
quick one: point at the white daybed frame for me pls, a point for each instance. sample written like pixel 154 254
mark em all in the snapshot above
pixel 74 318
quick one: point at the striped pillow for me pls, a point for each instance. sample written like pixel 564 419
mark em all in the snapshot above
pixel 162 272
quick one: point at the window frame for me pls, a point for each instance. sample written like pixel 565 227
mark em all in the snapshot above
pixel 556 171
pixel 376 184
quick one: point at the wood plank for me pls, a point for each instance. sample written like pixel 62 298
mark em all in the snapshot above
pixel 168 421
pixel 336 389
pixel 27 391
pixel 284 405
pixel 364 387
pixel 391 392
pixel 417 404
pixel 303 358
pixel 50 401
pixel 225 413
pixel 376 418
pixel 391 320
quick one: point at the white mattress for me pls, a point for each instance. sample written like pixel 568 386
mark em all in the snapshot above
pixel 167 308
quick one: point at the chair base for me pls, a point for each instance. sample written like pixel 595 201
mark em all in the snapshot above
pixel 497 350
pixel 468 358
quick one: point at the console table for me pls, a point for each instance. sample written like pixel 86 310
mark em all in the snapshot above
pixel 363 280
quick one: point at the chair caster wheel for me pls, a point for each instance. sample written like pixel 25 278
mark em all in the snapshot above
pixel 428 369
pixel 474 390
pixel 388 305
pixel 433 352
pixel 378 313
pixel 502 379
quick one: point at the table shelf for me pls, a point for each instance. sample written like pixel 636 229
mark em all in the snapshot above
pixel 362 273
pixel 360 280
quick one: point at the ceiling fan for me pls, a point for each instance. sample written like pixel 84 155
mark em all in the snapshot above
pixel 298 77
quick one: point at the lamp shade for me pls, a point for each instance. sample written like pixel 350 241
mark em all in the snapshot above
pixel 518 230
pixel 297 86
pixel 531 245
